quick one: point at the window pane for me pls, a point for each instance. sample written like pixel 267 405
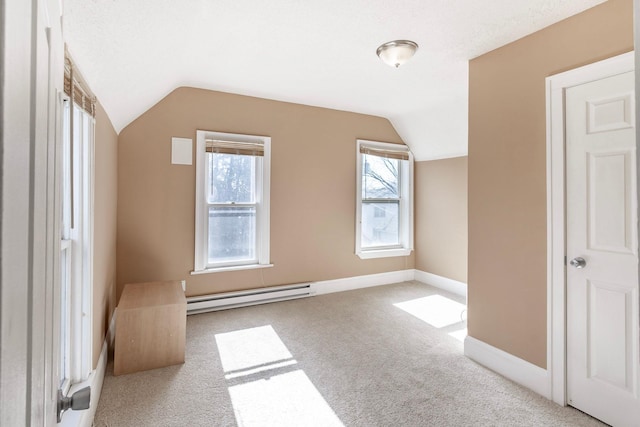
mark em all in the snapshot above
pixel 379 177
pixel 232 178
pixel 380 226
pixel 232 234
pixel 65 190
pixel 65 314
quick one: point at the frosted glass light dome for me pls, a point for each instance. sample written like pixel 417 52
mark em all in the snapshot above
pixel 397 52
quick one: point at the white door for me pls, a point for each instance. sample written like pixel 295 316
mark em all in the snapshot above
pixel 31 69
pixel 603 368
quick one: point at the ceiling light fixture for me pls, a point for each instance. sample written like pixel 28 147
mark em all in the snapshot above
pixel 397 52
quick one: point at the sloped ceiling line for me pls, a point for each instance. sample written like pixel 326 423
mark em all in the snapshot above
pixel 314 52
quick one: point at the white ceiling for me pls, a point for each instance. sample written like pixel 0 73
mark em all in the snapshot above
pixel 316 52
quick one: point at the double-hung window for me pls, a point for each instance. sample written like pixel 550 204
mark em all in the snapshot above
pixel 384 209
pixel 76 245
pixel 232 201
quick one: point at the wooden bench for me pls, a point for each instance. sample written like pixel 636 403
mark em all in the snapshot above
pixel 151 325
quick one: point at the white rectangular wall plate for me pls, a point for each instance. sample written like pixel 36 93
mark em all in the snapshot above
pixel 181 151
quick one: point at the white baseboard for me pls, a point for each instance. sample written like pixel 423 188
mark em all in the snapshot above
pixel 517 370
pixel 98 374
pixel 441 282
pixel 95 380
pixel 359 282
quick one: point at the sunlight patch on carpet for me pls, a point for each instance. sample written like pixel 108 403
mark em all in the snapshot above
pixel 251 348
pixel 288 399
pixel 436 310
pixel 266 395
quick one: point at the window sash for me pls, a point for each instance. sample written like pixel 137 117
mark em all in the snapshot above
pixel 396 202
pixel 65 315
pixel 256 167
pixel 401 167
pixel 389 154
pixel 242 261
pixel 256 186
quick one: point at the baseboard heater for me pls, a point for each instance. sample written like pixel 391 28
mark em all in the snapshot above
pixel 225 301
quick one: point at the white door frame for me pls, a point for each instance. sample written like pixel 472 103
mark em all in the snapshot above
pixel 556 276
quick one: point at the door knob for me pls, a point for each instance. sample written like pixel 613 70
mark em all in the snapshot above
pixel 81 399
pixel 578 262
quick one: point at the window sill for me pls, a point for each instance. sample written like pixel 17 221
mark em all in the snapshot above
pixel 383 253
pixel 231 268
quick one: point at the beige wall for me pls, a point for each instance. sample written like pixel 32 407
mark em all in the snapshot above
pixel 105 201
pixel 441 217
pixel 507 181
pixel 312 191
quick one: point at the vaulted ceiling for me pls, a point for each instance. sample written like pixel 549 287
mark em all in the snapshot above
pixel 315 52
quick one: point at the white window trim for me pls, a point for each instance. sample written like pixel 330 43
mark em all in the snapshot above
pixel 263 204
pixel 406 205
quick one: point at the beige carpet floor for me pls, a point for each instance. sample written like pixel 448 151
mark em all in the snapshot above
pixel 384 356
